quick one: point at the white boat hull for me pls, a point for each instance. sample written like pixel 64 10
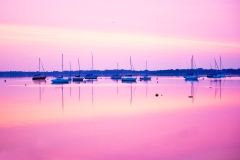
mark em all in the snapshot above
pixel 216 76
pixel 219 76
pixel 60 81
pixel 91 77
pixel 145 78
pixel 191 77
pixel 129 79
pixel 78 79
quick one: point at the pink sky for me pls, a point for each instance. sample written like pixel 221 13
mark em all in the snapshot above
pixel 164 32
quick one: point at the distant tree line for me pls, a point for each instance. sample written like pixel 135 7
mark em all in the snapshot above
pixel 169 72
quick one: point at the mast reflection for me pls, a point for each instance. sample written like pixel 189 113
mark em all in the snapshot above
pixel 193 90
pixel 41 90
pixel 132 91
pixel 218 87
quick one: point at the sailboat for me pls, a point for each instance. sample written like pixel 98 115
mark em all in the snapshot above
pixel 146 77
pixel 129 78
pixel 78 78
pixel 116 76
pixel 60 79
pixel 218 73
pixel 38 76
pixel 191 76
pixel 70 76
pixel 91 76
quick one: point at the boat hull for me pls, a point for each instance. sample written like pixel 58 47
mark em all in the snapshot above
pixel 39 78
pixel 216 76
pixel 78 79
pixel 128 79
pixel 191 77
pixel 60 81
pixel 91 77
pixel 116 77
pixel 145 78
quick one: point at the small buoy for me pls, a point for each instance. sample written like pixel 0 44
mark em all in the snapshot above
pixel 202 78
pixel 210 87
pixel 156 95
pixel 161 94
pixel 157 81
pixel 25 84
pixel 5 80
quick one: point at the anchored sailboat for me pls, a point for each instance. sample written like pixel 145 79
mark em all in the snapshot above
pixel 91 76
pixel 146 77
pixel 129 78
pixel 218 73
pixel 192 75
pixel 78 78
pixel 116 76
pixel 70 76
pixel 60 80
pixel 38 76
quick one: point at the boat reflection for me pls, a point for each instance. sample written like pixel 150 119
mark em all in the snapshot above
pixel 132 93
pixel 79 89
pixel 91 81
pixel 193 90
pixel 61 87
pixel 218 87
pixel 41 89
pixel 146 83
pixel 43 81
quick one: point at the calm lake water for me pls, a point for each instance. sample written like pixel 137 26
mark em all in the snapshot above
pixel 106 119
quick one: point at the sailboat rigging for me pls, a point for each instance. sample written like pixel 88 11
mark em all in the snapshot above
pixel 146 77
pixel 91 76
pixel 116 76
pixel 78 78
pixel 60 79
pixel 129 78
pixel 38 76
pixel 192 76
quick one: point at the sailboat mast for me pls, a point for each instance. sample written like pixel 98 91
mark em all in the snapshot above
pixel 146 65
pixel 130 63
pixel 78 67
pixel 192 63
pixel 62 63
pixel 216 64
pixel 220 63
pixel 70 68
pixel 92 61
pixel 39 64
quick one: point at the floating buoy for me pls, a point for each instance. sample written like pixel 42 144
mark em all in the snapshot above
pixel 5 80
pixel 25 84
pixel 210 87
pixel 161 94
pixel 157 81
pixel 156 95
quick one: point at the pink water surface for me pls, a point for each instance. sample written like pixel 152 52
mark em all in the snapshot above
pixel 107 119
